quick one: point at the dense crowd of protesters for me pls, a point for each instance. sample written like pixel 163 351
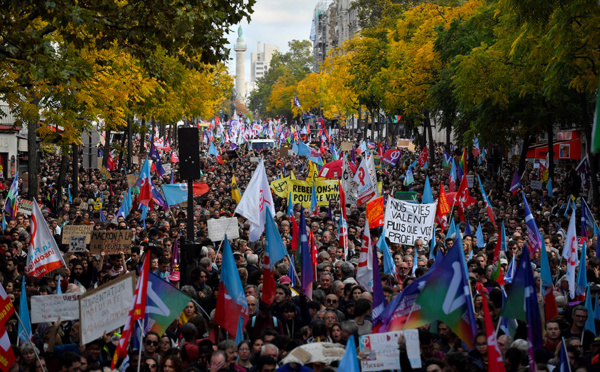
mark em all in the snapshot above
pixel 339 306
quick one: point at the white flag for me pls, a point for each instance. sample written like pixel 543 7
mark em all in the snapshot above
pixel 364 273
pixel 570 254
pixel 366 189
pixel 373 173
pixel 256 197
pixel 44 255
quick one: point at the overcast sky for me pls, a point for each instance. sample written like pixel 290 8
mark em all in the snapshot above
pixel 274 22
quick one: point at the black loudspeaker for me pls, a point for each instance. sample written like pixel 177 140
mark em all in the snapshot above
pixel 189 154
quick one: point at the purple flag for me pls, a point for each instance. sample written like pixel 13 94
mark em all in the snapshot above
pixel 516 183
pixel 378 296
pixel 533 233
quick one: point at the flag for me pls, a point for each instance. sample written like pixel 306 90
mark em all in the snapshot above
pixel 102 216
pixel 590 324
pixel 432 244
pixel 423 157
pixel 290 205
pixel 550 307
pixel 70 196
pixel 414 267
pixel 43 255
pixel 522 302
pixel 516 183
pixel 314 205
pixel 367 189
pixel 495 362
pixel 126 204
pixel 451 230
pixel 462 198
pixel 447 295
pixel 364 273
pixel 375 212
pixel 409 178
pixel 235 191
pixel 256 198
pixel 349 362
pixel 174 158
pixel 24 330
pixel 588 222
pixel 7 355
pixel 212 150
pixel 488 205
pixel 443 208
pixel 274 252
pixel 6 307
pixel 462 164
pixel 570 254
pixel 510 271
pixel 154 155
pixel 388 261
pixel 308 275
pixel 178 192
pixel 145 184
pixel 232 308
pixel 427 193
pixel 582 273
pixel 11 199
pixel 378 296
pixel 296 101
pixel 479 236
pixel 468 230
pixel 549 187
pixel 137 312
pixel 534 240
pixel 447 159
pixel 452 178
pixel 563 360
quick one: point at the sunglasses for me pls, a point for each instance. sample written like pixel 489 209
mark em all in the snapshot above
pixel 151 365
pixel 152 343
pixel 331 301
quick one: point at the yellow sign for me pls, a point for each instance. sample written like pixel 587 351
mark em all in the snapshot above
pixel 302 191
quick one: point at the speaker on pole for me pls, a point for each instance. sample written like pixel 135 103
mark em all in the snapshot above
pixel 189 153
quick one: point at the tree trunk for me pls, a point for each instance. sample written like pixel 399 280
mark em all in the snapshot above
pixel 121 153
pixel 106 149
pixel 522 161
pixel 75 191
pixel 152 132
pixel 431 143
pixel 62 174
pixel 550 134
pixel 130 143
pixel 34 158
pixel 143 137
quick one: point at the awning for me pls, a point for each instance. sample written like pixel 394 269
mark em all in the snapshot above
pixel 567 148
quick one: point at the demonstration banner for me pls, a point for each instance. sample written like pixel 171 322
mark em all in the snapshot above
pixel 407 222
pixel 302 191
pixel 111 242
pixel 382 353
pixel 70 230
pixel 50 307
pixel 348 184
pixel 280 187
pixel 391 157
pixel 105 308
pixel 217 228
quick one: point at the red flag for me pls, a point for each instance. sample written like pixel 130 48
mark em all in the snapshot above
pixel 442 209
pixel 343 229
pixel 6 307
pixel 7 356
pixel 146 185
pixel 295 232
pixel 550 307
pixel 137 312
pixel 462 198
pixel 174 158
pixel 375 212
pixel 423 157
pixel 495 362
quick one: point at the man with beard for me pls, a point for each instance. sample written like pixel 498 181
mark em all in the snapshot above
pixel 79 273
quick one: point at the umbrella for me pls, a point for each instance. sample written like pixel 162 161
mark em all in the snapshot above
pixel 323 352
pixel 334 169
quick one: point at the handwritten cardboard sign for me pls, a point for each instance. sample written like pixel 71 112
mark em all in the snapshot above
pixel 48 308
pixel 110 242
pixel 70 230
pixel 218 228
pixel 105 308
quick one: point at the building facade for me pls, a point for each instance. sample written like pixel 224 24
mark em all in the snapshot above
pixel 261 60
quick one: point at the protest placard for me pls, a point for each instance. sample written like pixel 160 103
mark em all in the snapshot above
pixel 166 168
pixel 254 159
pixel 382 353
pixel 348 184
pixel 110 242
pixel 406 222
pixel 25 207
pixel 284 152
pixel 48 308
pixel 470 180
pixel 70 230
pixel 105 308
pixel 218 228
pixel 132 179
pixel 536 185
pixel 77 243
pixel 302 191
pixel 347 146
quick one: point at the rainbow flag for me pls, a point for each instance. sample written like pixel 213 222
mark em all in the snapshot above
pixel 444 297
pixel 462 165
pixel 11 200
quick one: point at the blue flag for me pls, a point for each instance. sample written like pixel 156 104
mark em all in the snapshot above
pixel 388 260
pixel 274 247
pixel 292 272
pixel 451 229
pixel 427 193
pixel 290 206
pixel 24 333
pixel 307 269
pixel 563 360
pixel 468 228
pixel 70 197
pixel 549 187
pixel 503 245
pixel 154 155
pixel 432 244
pixel 102 216
pixel 409 178
pixel 534 241
pixel 314 206
pixel 590 324
pixel 349 362
pixel 479 236
pixel 545 268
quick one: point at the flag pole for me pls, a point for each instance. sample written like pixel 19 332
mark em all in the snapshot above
pixel 141 339
pixel 29 340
